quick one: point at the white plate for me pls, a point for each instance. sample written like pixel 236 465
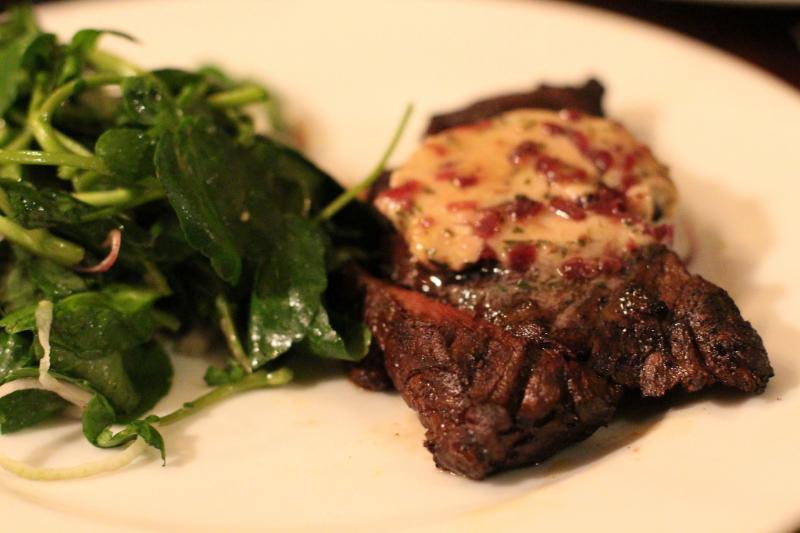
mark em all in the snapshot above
pixel 325 455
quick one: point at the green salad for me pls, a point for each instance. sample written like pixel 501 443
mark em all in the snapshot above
pixel 137 205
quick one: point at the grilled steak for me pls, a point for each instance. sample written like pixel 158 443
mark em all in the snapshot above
pixel 507 360
pixel 588 98
pixel 650 326
pixel 490 400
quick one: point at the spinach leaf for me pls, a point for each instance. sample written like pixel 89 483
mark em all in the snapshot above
pixel 227 196
pixel 28 407
pixel 349 340
pixel 193 202
pixel 150 371
pixel 20 320
pixel 84 41
pixel 232 373
pixel 102 337
pixel 128 152
pixel 176 79
pixel 99 416
pixel 287 290
pixel 90 325
pixel 18 290
pixel 32 278
pixel 144 101
pixel 15 353
pixel 106 375
pixel 40 207
pixel 317 188
pixel 16 34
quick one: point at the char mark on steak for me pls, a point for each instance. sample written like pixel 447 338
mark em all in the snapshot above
pixel 651 327
pixel 489 400
pixel 504 368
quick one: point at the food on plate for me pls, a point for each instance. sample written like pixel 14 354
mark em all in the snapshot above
pixel 136 205
pixel 528 285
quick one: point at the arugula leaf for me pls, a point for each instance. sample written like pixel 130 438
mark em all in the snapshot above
pixel 31 278
pixel 17 290
pixel 17 34
pixel 106 375
pixel 99 416
pixel 25 408
pixel 225 195
pixel 348 341
pixel 287 290
pixel 128 152
pixel 20 320
pixel 144 101
pixel 102 336
pixel 232 373
pixel 150 371
pixel 317 187
pixel 15 353
pixel 39 207
pixel 209 211
pixel 176 79
pixel 90 325
pixel 52 280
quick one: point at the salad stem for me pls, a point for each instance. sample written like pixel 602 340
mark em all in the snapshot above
pixel 229 331
pixel 347 196
pixel 35 157
pixel 71 144
pixel 256 380
pixel 246 94
pixel 105 198
pixel 102 60
pixel 41 125
pixel 42 243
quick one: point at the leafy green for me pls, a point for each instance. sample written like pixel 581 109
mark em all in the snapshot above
pixel 28 407
pixel 349 340
pixel 17 34
pixel 232 373
pixel 144 101
pixel 34 207
pixel 15 353
pixel 144 203
pixel 99 416
pixel 287 290
pixel 127 152
pixel 229 198
pixel 52 281
pixel 150 371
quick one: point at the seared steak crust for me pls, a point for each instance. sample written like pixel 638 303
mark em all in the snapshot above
pixel 506 368
pixel 488 399
pixel 587 98
pixel 652 326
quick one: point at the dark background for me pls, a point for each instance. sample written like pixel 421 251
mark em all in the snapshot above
pixel 766 36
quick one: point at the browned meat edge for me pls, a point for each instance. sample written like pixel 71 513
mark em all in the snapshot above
pixel 519 370
pixel 587 98
pixel 489 400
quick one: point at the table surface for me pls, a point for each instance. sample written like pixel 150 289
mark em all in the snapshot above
pixel 768 37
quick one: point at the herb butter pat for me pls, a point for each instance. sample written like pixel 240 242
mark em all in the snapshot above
pixel 530 187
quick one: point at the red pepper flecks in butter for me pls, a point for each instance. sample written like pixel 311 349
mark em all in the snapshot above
pixel 530 186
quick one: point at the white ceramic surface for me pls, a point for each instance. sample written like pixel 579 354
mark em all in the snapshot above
pixel 323 455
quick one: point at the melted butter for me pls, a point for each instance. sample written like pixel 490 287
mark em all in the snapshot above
pixel 499 187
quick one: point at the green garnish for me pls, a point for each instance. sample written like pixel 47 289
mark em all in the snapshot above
pixel 137 204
